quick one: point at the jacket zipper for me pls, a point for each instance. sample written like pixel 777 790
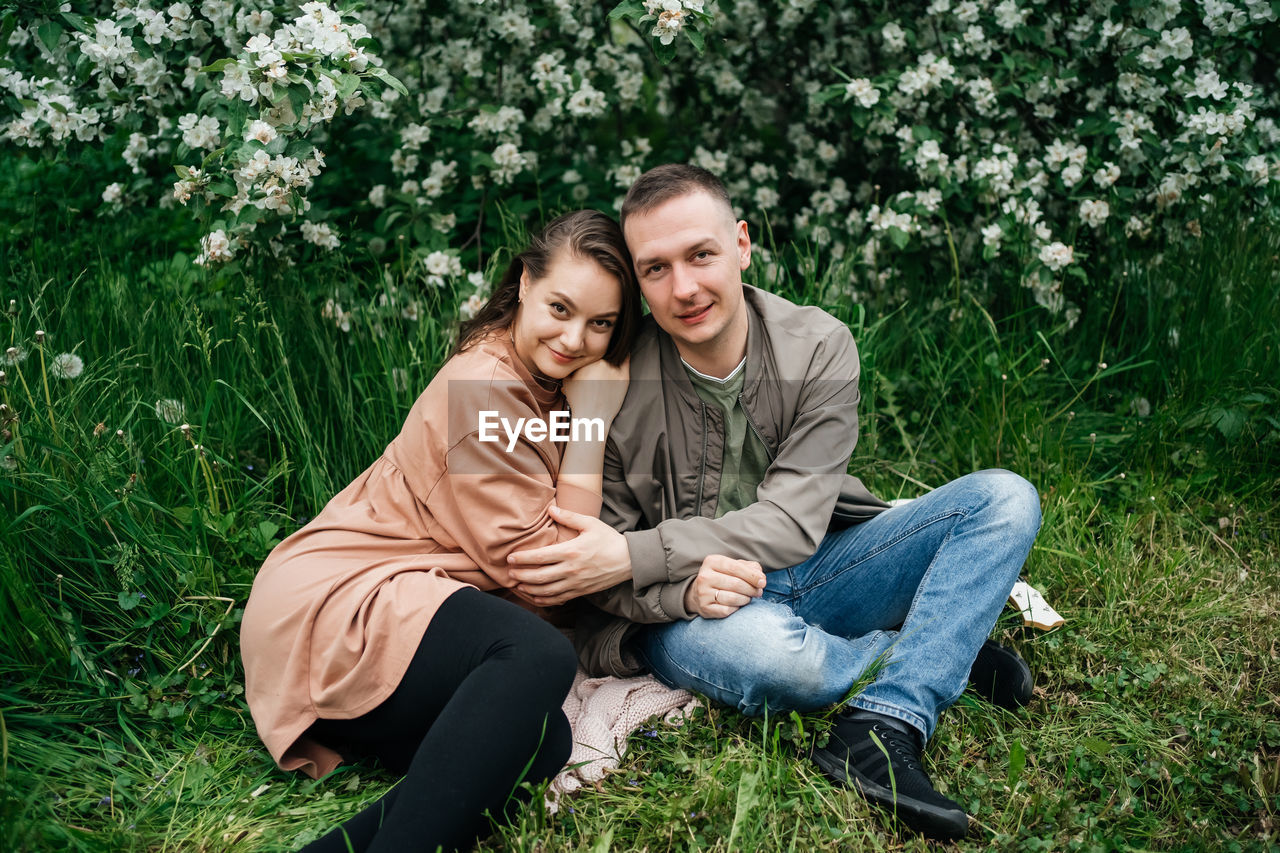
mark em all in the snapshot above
pixel 702 467
pixel 755 431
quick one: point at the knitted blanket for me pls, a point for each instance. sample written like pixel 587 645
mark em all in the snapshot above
pixel 603 712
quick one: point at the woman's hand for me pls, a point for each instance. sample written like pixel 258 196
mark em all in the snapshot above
pixel 722 586
pixel 596 390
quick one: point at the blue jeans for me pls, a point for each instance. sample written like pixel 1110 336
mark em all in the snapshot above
pixel 917 588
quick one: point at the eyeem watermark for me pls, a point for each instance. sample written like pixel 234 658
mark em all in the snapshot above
pixel 561 427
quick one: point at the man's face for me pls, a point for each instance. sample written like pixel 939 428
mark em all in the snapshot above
pixel 689 255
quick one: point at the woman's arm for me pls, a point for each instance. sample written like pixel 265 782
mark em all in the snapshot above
pixel 595 392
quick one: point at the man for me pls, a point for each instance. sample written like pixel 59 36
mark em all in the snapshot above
pixel 727 497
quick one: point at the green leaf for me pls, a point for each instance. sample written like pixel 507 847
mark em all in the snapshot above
pixel 748 798
pixel 379 73
pixel 664 52
pixel 50 34
pixel 696 37
pixel 899 237
pixel 77 22
pixel 277 146
pixel 1097 746
pixel 129 600
pixel 628 10
pixel 1017 760
pixel 7 26
pixel 215 67
pixel 347 85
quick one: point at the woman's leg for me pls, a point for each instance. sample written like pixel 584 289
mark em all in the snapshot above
pixel 482 698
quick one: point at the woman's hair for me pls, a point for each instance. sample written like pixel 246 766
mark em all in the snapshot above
pixel 587 234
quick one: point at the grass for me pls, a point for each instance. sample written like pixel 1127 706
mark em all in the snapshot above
pixel 126 551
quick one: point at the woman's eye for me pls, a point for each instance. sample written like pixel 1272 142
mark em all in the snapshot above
pixel 558 308
pixel 603 324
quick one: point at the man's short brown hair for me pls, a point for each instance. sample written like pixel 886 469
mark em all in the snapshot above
pixel 672 180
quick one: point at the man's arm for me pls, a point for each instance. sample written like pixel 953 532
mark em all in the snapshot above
pixel 795 499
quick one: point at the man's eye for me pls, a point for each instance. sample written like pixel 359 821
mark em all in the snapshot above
pixel 654 270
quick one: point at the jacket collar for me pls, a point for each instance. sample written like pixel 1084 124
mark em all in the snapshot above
pixel 673 369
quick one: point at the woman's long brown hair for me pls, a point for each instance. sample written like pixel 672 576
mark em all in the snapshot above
pixel 588 234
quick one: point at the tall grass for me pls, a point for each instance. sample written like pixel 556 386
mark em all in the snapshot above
pixel 128 543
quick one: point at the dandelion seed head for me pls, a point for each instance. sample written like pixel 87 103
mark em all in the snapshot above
pixel 67 365
pixel 40 336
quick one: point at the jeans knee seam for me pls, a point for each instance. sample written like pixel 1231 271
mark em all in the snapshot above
pixel 962 512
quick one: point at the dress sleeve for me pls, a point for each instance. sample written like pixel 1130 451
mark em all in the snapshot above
pixel 492 497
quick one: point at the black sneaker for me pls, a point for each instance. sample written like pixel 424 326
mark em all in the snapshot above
pixel 855 756
pixel 1001 676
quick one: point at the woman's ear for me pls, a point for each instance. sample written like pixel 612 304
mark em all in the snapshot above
pixel 524 284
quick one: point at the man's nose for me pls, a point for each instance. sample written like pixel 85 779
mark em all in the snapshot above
pixel 683 285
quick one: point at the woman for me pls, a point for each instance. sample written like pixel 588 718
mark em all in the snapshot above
pixel 387 626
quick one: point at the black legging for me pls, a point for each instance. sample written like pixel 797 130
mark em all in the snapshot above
pixel 477 712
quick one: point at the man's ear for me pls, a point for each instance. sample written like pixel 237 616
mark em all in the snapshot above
pixel 744 245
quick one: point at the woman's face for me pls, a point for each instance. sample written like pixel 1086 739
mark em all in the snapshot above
pixel 565 318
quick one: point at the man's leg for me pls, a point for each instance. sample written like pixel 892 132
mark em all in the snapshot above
pixel 940 566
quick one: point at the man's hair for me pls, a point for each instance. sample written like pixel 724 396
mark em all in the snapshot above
pixel 672 180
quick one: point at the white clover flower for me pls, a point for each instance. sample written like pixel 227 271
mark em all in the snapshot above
pixel 66 365
pixel 112 194
pixel 378 196
pixel 171 411
pixel 1056 256
pixel 1094 213
pixel 992 235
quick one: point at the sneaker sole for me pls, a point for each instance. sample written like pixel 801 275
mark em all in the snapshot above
pixel 930 821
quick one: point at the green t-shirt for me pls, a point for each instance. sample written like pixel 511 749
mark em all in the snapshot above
pixel 745 457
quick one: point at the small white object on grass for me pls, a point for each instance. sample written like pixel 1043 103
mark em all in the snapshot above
pixel 1035 610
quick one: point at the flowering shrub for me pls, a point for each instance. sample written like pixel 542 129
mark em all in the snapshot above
pixel 907 143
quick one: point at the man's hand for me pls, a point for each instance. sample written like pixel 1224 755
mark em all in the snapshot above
pixel 597 558
pixel 722 586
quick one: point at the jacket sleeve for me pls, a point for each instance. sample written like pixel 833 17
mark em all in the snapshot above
pixel 795 499
pixel 489 501
pixel 656 602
